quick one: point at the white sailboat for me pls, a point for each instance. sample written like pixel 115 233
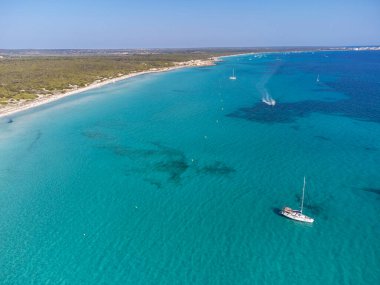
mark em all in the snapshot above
pixel 233 77
pixel 318 78
pixel 297 214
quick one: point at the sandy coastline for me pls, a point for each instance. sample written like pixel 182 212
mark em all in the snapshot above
pixel 11 109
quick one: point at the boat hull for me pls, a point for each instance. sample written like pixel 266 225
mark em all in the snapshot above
pixel 270 102
pixel 297 216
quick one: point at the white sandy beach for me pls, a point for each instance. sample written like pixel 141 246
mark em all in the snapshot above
pixel 11 109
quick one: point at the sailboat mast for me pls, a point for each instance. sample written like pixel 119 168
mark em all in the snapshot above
pixel 303 192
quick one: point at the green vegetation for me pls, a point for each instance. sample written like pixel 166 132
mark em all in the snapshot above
pixel 24 77
pixel 25 74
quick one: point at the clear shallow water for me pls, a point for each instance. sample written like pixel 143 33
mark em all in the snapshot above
pixel 176 178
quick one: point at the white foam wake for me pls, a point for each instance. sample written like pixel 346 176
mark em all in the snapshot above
pixel 267 99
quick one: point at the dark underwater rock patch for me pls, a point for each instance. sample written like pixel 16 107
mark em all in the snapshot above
pixel 216 168
pixel 372 190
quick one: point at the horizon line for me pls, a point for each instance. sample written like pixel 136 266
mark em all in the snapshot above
pixel 194 48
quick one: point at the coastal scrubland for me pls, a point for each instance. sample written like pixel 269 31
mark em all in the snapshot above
pixel 25 77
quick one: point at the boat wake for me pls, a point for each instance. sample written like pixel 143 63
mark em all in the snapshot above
pixel 267 99
pixel 261 86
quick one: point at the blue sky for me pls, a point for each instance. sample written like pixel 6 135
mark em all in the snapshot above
pixel 192 23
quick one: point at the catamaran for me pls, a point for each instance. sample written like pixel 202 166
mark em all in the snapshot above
pixel 297 214
pixel 233 77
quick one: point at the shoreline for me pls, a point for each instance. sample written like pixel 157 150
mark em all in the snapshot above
pixel 11 109
pixel 26 105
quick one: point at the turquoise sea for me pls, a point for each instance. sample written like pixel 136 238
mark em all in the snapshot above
pixel 177 177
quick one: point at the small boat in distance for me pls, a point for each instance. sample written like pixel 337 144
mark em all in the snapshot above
pixel 268 99
pixel 233 77
pixel 297 214
pixel 318 78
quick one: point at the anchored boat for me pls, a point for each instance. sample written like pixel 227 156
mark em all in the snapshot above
pixel 297 214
